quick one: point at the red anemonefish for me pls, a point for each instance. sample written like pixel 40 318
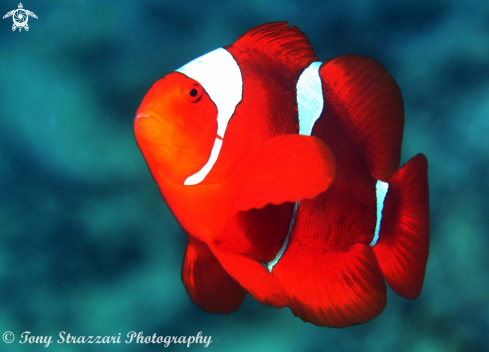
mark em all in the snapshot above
pixel 284 173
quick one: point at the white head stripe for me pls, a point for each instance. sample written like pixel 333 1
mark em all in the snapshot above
pixel 202 173
pixel 221 78
pixel 381 191
pixel 310 101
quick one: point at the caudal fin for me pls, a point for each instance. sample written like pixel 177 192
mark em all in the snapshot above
pixel 403 245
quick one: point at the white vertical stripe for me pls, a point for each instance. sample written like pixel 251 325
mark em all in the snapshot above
pixel 221 78
pixel 275 260
pixel 202 173
pixel 381 191
pixel 310 100
pixel 310 105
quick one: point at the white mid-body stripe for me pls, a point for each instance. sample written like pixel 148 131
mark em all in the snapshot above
pixel 221 78
pixel 310 100
pixel 275 260
pixel 380 191
pixel 310 105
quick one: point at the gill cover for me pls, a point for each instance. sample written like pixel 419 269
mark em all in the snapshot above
pixel 175 127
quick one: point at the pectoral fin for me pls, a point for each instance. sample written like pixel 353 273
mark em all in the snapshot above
pixel 283 169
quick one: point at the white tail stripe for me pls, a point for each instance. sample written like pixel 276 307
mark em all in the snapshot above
pixel 381 191
pixel 221 78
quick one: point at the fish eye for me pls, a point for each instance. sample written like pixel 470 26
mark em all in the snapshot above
pixel 192 92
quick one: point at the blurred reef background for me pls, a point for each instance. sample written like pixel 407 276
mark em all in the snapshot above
pixel 88 246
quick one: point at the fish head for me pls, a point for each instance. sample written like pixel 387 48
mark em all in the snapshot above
pixel 176 126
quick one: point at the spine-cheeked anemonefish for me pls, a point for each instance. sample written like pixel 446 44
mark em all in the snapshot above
pixel 284 173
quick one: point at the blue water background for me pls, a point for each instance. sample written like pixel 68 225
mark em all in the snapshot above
pixel 88 246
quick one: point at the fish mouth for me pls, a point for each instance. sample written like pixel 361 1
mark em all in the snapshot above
pixel 143 115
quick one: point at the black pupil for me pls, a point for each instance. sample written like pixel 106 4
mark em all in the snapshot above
pixel 193 92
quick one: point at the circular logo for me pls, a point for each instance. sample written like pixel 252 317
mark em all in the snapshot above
pixel 8 337
pixel 20 17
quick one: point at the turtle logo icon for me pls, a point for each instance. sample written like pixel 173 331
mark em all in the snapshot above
pixel 20 17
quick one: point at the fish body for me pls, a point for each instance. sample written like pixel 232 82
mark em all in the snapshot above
pixel 265 155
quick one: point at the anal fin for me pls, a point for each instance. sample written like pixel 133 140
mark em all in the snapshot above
pixel 334 289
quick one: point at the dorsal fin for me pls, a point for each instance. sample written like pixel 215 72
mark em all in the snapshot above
pixel 277 39
pixel 365 95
